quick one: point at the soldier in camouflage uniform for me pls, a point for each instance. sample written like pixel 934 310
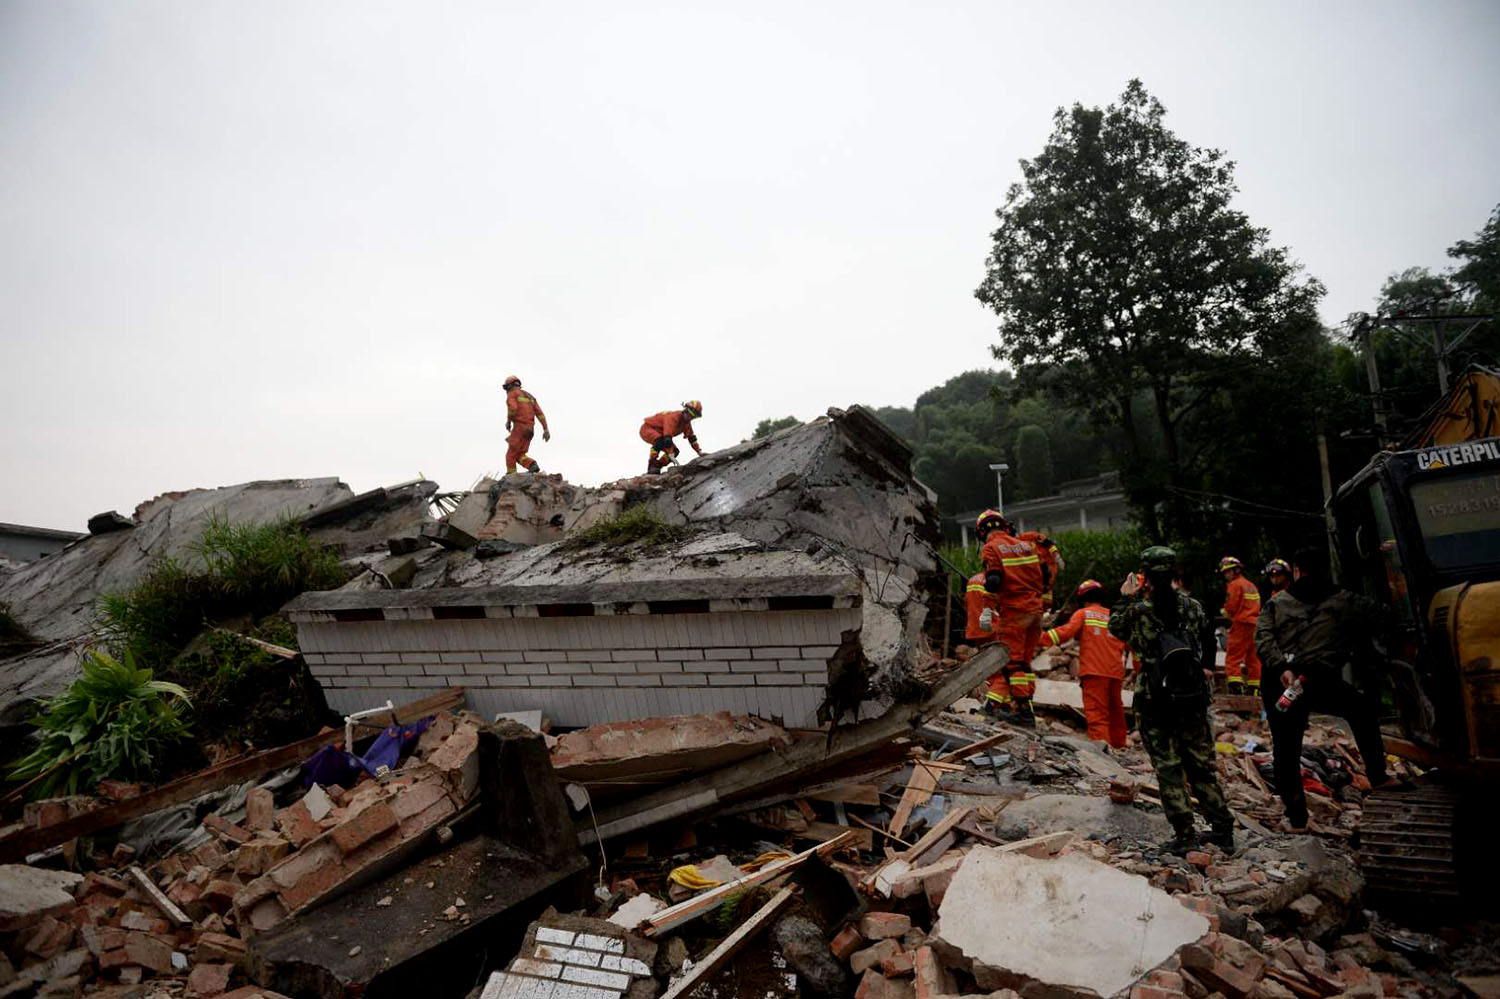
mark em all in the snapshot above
pixel 1175 732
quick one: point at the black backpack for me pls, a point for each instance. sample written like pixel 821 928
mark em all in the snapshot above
pixel 1177 673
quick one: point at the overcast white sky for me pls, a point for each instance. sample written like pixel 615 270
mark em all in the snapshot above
pixel 279 239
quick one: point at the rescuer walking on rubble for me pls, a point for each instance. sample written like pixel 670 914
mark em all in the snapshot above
pixel 1101 663
pixel 1170 633
pixel 522 411
pixel 1307 634
pixel 1242 608
pixel 659 430
pixel 1017 577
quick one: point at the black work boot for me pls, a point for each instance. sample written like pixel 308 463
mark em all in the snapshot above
pixel 1023 714
pixel 1222 838
pixel 1236 687
pixel 1183 841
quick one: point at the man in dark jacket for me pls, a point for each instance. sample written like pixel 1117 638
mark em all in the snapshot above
pixel 1171 636
pixel 1308 633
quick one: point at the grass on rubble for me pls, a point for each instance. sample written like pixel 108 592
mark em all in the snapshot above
pixel 235 569
pixel 637 525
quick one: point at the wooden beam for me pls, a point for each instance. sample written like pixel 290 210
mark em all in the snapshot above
pixel 933 835
pixel 924 780
pixel 768 770
pixel 175 915
pixel 864 839
pixel 17 847
pixel 975 748
pixel 731 944
pixel 702 904
pixel 867 795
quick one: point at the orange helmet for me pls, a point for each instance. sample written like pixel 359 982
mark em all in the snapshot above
pixel 694 408
pixel 988 521
pixel 1089 586
pixel 510 382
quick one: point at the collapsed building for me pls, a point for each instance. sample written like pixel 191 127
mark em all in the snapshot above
pixel 739 647
pixel 798 586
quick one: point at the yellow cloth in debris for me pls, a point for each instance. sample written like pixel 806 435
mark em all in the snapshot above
pixel 687 875
pixel 1226 748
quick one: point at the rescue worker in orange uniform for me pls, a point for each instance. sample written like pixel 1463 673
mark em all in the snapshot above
pixel 659 430
pixel 1017 577
pixel 1051 556
pixel 1101 663
pixel 522 412
pixel 1278 575
pixel 982 611
pixel 1242 608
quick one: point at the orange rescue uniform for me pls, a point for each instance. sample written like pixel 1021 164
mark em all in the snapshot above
pixel 667 424
pixel 1101 670
pixel 1019 599
pixel 1242 607
pixel 976 599
pixel 521 412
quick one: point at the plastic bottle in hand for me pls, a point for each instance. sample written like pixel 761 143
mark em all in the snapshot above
pixel 1289 695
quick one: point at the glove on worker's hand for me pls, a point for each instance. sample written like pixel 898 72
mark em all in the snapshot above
pixel 987 619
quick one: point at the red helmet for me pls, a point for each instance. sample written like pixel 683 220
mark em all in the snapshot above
pixel 990 520
pixel 1278 565
pixel 1229 562
pixel 694 408
pixel 511 381
pixel 1089 586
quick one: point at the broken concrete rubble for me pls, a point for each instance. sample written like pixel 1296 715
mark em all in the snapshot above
pixel 1128 924
pixel 55 598
pixel 571 957
pixel 801 594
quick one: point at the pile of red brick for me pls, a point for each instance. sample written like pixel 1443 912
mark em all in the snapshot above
pixel 106 932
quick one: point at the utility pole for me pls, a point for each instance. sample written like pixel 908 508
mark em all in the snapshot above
pixel 1366 331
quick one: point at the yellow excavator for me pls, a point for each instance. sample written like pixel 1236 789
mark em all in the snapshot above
pixel 1418 530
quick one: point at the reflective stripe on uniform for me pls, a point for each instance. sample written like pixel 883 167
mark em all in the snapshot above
pixel 1024 560
pixel 997 698
pixel 975 588
pixel 1052 634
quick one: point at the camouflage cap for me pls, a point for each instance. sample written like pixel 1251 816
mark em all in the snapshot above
pixel 1158 557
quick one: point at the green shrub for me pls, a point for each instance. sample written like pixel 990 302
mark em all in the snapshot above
pixel 637 524
pixel 240 569
pixel 113 721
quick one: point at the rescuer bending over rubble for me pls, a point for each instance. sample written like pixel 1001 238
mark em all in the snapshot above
pixel 659 430
pixel 1101 663
pixel 1017 577
pixel 1170 634
pixel 521 413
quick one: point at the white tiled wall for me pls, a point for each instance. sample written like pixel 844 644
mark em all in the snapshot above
pixel 588 670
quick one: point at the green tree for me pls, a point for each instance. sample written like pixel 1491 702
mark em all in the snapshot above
pixel 1124 279
pixel 767 427
pixel 1034 460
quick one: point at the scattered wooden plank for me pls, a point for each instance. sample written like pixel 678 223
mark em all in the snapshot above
pixel 159 899
pixel 731 944
pixel 280 651
pixel 975 748
pixel 864 838
pixel 700 905
pixel 1293 981
pixel 867 795
pixel 924 781
pixel 805 809
pixel 762 773
pixel 15 847
pixel 869 825
pixel 1248 765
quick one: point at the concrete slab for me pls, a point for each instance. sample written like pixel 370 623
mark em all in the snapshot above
pixel 29 894
pixel 1119 924
pixel 1050 813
